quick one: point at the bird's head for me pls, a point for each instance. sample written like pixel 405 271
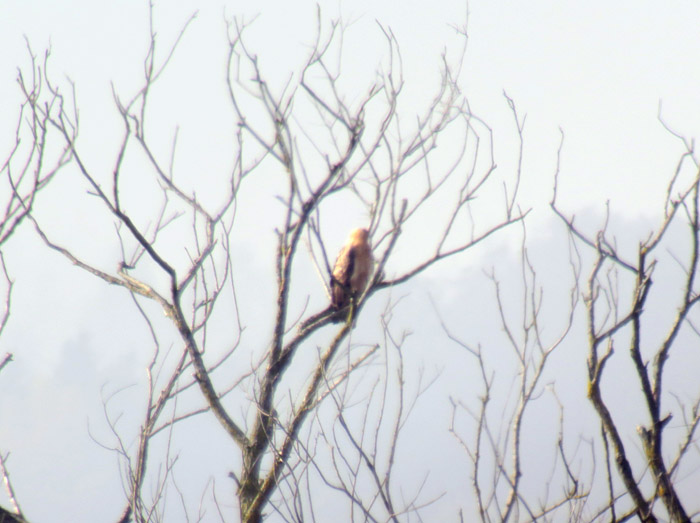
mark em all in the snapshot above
pixel 359 235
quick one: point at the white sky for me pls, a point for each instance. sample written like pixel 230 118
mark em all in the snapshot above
pixel 597 70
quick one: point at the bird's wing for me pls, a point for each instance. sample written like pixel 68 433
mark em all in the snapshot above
pixel 342 272
pixel 344 266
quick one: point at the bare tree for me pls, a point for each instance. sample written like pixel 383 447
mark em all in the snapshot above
pixel 27 168
pixel 316 408
pixel 620 310
pixel 490 428
pixel 611 297
pixel 29 164
pixel 286 406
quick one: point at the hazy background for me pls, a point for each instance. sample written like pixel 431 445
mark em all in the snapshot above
pixel 598 72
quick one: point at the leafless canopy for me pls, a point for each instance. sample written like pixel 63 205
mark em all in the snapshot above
pixel 313 401
pixel 314 144
pixel 620 311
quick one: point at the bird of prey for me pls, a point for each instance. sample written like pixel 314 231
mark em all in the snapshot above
pixel 352 269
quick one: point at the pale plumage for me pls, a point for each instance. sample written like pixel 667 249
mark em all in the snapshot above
pixel 352 269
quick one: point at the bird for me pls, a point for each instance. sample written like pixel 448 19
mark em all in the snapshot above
pixel 352 269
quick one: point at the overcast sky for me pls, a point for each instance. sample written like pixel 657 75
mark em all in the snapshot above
pixel 596 71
